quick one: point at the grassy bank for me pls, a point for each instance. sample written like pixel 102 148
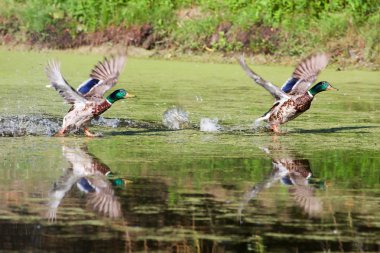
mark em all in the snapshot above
pixel 345 28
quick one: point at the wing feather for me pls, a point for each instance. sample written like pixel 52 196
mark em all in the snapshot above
pixel 304 196
pixel 57 81
pixel 87 85
pixel 107 72
pixel 272 89
pixel 306 73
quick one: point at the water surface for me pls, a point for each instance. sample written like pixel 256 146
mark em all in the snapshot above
pixel 313 189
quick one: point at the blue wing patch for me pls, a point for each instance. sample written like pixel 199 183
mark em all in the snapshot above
pixel 85 186
pixel 286 180
pixel 288 86
pixel 86 86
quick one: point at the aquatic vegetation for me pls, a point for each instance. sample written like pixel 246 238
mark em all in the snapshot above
pixel 187 187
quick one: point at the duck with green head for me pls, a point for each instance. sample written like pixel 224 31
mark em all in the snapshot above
pixel 294 97
pixel 87 101
pixel 92 177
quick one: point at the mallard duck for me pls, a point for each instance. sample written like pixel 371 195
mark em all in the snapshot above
pixel 87 101
pixel 92 177
pixel 293 172
pixel 296 173
pixel 294 97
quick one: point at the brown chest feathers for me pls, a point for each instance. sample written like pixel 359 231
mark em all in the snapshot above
pixel 303 103
pixel 100 108
pixel 290 109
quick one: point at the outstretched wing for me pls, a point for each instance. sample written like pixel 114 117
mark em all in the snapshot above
pixel 57 81
pixel 102 77
pixel 305 198
pixel 273 90
pixel 305 74
pixel 103 200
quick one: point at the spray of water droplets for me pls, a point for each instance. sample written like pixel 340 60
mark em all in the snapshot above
pixel 210 125
pixel 176 118
pixel 22 125
pixel 100 121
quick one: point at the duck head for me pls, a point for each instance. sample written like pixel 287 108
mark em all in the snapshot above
pixel 117 95
pixel 321 86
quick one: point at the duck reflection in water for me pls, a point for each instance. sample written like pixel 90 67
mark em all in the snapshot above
pixel 290 170
pixel 92 177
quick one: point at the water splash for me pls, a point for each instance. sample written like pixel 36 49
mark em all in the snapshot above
pixel 210 125
pixel 100 121
pixel 22 125
pixel 260 126
pixel 176 118
pixel 116 122
pixel 43 125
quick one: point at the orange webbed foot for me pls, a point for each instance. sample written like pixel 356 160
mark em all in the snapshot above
pixel 60 133
pixel 275 129
pixel 88 133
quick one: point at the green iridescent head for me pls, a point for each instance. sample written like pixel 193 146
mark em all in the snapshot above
pixel 318 183
pixel 116 181
pixel 321 86
pixel 117 95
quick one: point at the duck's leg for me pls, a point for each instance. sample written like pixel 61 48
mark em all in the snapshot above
pixel 60 133
pixel 275 129
pixel 88 133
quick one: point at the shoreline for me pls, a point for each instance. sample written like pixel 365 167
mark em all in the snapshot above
pixel 204 56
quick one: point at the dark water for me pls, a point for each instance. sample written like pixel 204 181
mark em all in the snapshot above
pixel 161 196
